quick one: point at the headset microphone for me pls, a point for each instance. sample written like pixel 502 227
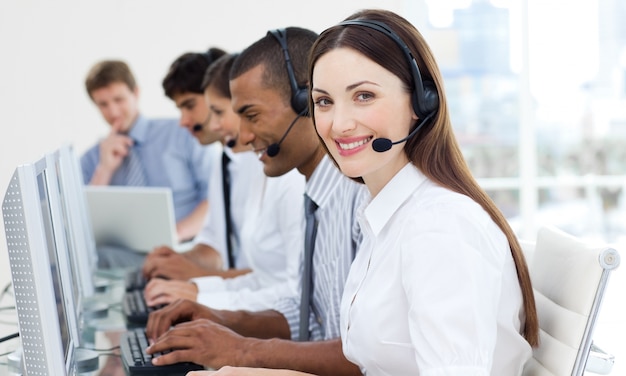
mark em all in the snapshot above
pixel 231 143
pixel 274 149
pixel 199 126
pixel 383 144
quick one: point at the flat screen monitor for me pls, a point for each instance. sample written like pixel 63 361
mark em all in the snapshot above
pixel 68 191
pixel 46 312
pixel 71 172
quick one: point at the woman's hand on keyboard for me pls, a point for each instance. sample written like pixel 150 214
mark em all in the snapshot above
pixel 161 320
pixel 166 263
pixel 160 291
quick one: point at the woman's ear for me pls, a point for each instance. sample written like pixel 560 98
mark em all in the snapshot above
pixel 414 115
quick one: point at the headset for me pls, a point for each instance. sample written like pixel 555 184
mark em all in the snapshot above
pixel 424 98
pixel 299 94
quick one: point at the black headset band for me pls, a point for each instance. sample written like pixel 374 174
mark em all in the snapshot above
pixel 281 37
pixel 299 94
pixel 425 102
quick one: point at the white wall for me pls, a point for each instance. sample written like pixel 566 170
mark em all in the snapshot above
pixel 47 48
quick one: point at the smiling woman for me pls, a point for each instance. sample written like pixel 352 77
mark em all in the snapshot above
pixel 475 313
pixel 359 100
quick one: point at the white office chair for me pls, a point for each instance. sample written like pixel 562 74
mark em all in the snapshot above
pixel 569 278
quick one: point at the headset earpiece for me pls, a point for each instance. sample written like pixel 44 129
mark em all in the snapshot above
pixel 300 101
pixel 299 94
pixel 430 99
pixel 425 99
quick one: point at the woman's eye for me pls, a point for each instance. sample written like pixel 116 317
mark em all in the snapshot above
pixel 364 96
pixel 322 102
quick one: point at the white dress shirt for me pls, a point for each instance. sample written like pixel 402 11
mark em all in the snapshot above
pixel 245 171
pixel 268 221
pixel 433 290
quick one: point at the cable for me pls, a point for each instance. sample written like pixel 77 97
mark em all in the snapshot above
pixel 5 290
pixel 10 336
pixel 6 353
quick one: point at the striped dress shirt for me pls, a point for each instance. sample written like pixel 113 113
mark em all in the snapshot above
pixel 337 239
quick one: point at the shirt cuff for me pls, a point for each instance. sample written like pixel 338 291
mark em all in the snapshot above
pixel 209 284
pixel 216 300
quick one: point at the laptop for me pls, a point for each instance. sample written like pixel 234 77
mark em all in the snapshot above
pixel 137 218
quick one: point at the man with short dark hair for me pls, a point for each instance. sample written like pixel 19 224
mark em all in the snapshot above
pixel 183 85
pixel 254 224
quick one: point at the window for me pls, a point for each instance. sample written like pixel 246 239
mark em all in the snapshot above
pixel 542 127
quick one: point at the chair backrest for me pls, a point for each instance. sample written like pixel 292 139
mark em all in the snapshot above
pixel 569 278
pixel 528 248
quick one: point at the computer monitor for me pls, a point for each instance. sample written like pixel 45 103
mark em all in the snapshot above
pixel 72 172
pixel 68 190
pixel 62 231
pixel 46 317
pixel 67 194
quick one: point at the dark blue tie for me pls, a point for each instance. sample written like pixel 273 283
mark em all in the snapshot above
pixel 228 218
pixel 307 278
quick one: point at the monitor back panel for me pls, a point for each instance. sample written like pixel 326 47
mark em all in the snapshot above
pixel 41 344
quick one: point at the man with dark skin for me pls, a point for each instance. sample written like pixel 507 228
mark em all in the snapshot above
pixel 261 92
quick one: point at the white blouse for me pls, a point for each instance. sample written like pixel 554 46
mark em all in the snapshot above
pixel 433 290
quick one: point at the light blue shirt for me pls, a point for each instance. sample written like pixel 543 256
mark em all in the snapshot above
pixel 337 239
pixel 170 156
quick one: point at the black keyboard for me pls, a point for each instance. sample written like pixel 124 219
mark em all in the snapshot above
pixel 133 345
pixel 135 308
pixel 134 280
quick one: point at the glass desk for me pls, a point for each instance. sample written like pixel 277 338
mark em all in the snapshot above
pixel 100 335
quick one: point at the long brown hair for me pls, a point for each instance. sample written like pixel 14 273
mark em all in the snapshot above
pixel 434 149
